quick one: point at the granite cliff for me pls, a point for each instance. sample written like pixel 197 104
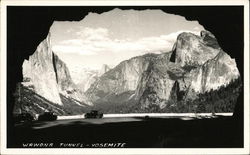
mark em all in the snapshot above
pixel 195 65
pixel 49 76
pixel 196 74
pixel 121 79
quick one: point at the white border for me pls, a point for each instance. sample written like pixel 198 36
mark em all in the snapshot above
pixel 121 2
pixel 246 78
pixel 3 72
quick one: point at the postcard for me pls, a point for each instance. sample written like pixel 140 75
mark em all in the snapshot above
pixel 141 77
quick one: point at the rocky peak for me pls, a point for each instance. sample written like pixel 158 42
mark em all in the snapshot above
pixel 219 71
pixel 104 69
pixel 190 49
pixel 41 72
pixel 50 76
pixel 195 66
pixel 123 78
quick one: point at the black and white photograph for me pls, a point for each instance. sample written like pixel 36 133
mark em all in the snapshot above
pixel 97 76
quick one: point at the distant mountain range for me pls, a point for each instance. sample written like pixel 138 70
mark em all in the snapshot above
pixel 193 77
pixel 84 77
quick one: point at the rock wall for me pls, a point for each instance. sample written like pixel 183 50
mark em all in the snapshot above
pixel 195 65
pixel 39 68
pixel 50 76
pixel 199 66
pixel 124 77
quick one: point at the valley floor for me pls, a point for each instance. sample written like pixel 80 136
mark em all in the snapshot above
pixel 157 115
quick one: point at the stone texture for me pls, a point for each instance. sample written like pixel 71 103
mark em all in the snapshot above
pixel 195 65
pixel 49 75
pixel 124 77
pixel 39 68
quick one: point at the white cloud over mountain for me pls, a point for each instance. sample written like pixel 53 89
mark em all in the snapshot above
pixel 90 41
pixel 117 35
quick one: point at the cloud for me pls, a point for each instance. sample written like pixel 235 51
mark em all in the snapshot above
pixel 70 30
pixel 72 42
pixel 72 49
pixel 196 28
pixel 117 35
pixel 91 41
pixel 88 33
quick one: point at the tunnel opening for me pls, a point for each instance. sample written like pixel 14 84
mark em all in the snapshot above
pixel 34 24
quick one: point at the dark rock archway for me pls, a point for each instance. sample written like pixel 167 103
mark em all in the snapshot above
pixel 28 26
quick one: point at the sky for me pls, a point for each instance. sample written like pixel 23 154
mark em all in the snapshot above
pixel 117 35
